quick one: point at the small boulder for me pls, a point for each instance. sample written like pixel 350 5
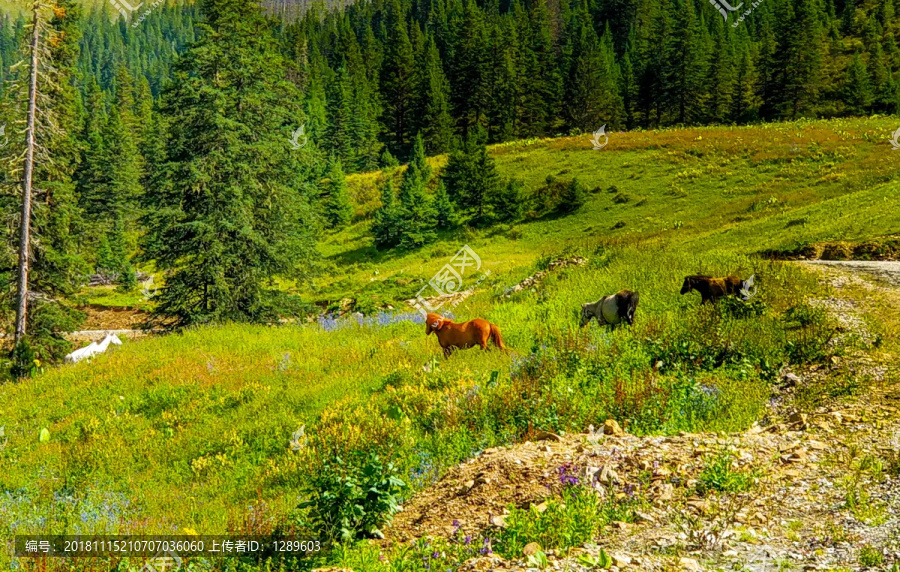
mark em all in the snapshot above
pixel 547 436
pixel 690 565
pixel 531 548
pixel 612 427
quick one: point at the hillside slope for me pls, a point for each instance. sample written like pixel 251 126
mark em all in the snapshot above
pixel 203 420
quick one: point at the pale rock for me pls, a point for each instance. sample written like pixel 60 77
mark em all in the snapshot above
pixel 547 436
pixel 690 565
pixel 612 427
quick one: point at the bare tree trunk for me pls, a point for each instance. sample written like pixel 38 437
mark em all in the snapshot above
pixel 25 230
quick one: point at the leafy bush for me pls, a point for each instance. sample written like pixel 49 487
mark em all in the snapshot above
pixel 570 520
pixel 870 556
pixel 719 475
pixel 752 308
pixel 353 500
pixel 803 315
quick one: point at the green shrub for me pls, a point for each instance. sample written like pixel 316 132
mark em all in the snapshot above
pixel 572 197
pixel 752 308
pixel 572 519
pixel 870 556
pixel 353 500
pixel 718 475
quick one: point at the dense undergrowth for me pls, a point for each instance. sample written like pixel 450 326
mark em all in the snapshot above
pixel 193 431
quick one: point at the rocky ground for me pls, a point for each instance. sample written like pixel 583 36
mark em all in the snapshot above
pixel 827 490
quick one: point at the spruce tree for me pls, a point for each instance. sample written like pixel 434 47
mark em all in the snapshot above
pixel 336 202
pixel 857 87
pixel 229 215
pixel 471 177
pixel 437 124
pixel 506 203
pixel 398 81
pixel 386 220
pixel 54 261
pixel 445 213
pixel 417 217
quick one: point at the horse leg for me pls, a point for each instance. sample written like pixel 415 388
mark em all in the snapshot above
pixel 447 351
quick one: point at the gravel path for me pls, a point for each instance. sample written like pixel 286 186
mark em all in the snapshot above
pixel 887 270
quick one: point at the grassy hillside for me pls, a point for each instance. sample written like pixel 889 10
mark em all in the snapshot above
pixel 192 430
pixel 747 188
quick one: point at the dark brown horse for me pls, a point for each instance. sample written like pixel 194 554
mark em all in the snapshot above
pixel 711 289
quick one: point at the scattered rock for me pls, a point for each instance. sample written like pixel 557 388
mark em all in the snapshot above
pixel 611 427
pixel 531 548
pixel 690 565
pixel 547 436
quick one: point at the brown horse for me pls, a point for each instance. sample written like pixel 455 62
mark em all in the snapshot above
pixel 711 289
pixel 465 335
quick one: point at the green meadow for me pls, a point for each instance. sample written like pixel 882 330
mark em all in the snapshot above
pixel 192 430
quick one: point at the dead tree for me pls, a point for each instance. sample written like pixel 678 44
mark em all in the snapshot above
pixel 28 168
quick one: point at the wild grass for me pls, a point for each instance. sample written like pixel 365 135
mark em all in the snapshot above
pixel 193 430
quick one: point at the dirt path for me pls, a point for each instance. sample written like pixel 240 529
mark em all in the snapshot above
pixel 888 271
pixel 828 490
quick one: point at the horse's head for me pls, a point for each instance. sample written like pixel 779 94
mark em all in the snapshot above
pixel 433 323
pixel 586 315
pixel 688 285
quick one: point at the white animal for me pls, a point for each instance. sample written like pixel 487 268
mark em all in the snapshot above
pixel 93 349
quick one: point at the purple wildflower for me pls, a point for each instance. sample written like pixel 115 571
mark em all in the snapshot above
pixel 566 478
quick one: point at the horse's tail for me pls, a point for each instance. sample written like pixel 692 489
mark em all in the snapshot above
pixel 495 337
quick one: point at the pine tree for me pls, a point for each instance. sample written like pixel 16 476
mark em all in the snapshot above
pixel 471 177
pixel 53 264
pixel 229 216
pixel 720 77
pixel 341 135
pixel 386 220
pixel 798 57
pixel 506 203
pixel 437 124
pixel 336 201
pixel 857 87
pixel 744 98
pixel 398 81
pixel 445 213
pixel 686 65
pixel 540 97
pixel 469 67
pixel 417 217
